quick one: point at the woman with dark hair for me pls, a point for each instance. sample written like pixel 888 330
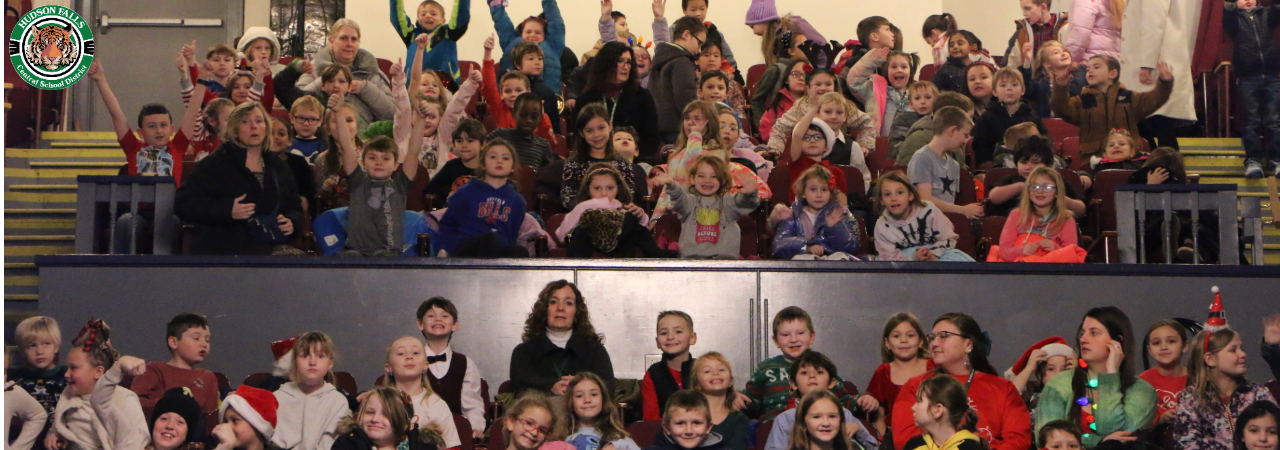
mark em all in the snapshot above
pixel 558 343
pixel 1103 394
pixel 960 349
pixel 612 81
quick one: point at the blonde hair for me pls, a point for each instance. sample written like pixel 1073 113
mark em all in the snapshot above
pixel 837 98
pixel 708 358
pixel 307 102
pixel 33 329
pixel 389 380
pixel 1060 213
pixel 231 129
pixel 1042 57
pixel 923 85
pixel 1009 73
pixel 681 314
pixel 445 96
pixel 816 171
pixel 1133 145
pixel 303 345
pixel 1200 377
pixel 711 137
pixel 344 22
pixel 718 165
pixel 800 439
pixel 397 410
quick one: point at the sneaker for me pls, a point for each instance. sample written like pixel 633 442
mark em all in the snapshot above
pixel 1252 169
pixel 1275 168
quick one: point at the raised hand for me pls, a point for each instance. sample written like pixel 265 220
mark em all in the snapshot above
pixel 1115 356
pixel 96 73
pixel 477 78
pixel 422 39
pixel 306 67
pixel 189 52
pixel 335 101
pixel 1062 77
pixel 606 9
pixel 834 217
pixel 746 180
pixel 397 72
pixel 1028 51
pixel 489 42
pixel 659 8
pixel 260 69
pixel 1166 72
pixel 242 211
pixel 132 365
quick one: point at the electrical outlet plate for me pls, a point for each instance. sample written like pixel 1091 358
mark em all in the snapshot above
pixel 650 360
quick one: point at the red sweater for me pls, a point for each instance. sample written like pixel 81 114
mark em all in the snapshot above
pixel 1167 390
pixel 1003 419
pixel 650 394
pixel 161 376
pixel 502 117
pixel 882 388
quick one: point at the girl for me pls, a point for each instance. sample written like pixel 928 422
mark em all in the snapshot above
pixel 281 140
pixel 714 379
pixel 334 88
pixel 210 127
pixel 818 228
pixel 248 418
pixel 739 144
pixel 880 82
pixel 943 413
pixel 979 76
pixel 1038 365
pixel 1256 427
pixel 177 424
pixel 897 236
pixel 782 99
pixel 699 118
pixel 708 212
pixel 1166 341
pixel 1052 59
pixel 1042 229
pixel 1216 392
pixel 486 203
pixel 811 140
pixel 937 29
pixel 528 422
pixel 332 190
pixel 903 356
pixel 951 75
pixel 595 145
pixel 960 351
pixel 612 224
pixel 824 426
pixel 386 422
pixel 1121 153
pixel 440 120
pixel 94 411
pixel 819 82
pixel 405 371
pixel 310 406
pixel 1095 29
pixel 595 422
pixel 1104 378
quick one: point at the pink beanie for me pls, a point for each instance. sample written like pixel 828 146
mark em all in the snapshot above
pixel 761 11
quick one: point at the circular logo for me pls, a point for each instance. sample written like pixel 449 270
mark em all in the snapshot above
pixel 51 47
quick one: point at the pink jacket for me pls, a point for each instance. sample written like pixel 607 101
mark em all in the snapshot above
pixel 1093 31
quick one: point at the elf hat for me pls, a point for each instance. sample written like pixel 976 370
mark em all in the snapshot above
pixel 1054 346
pixel 256 406
pixel 761 11
pixel 179 401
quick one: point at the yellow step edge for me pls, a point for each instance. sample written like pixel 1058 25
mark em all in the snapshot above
pixel 114 145
pixel 1195 163
pixel 1238 180
pixel 1264 246
pixel 36 224
pixel 1204 142
pixel 78 135
pixel 39 211
pixel 22 280
pixel 20 297
pixel 38 187
pixel 57 173
pixel 1218 173
pixel 39 250
pixel 1215 152
pixel 87 164
pixel 39 197
pixel 19 265
pixel 63 153
pixel 40 237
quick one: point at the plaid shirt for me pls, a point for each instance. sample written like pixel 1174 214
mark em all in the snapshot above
pixel 1044 32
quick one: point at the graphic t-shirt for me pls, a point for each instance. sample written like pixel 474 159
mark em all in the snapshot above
pixel 1167 390
pixel 941 172
pixel 147 160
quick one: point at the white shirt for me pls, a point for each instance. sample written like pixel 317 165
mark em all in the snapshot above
pixel 472 402
pixel 560 338
pixel 433 411
pixel 31 416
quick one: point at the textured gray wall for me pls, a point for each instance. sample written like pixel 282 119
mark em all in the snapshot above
pixel 366 307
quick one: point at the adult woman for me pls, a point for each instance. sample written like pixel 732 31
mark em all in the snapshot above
pixel 1163 31
pixel 370 91
pixel 558 343
pixel 960 350
pixel 236 191
pixel 611 80
pixel 1117 402
pixel 1216 393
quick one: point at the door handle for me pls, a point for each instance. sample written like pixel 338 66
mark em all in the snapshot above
pixel 105 21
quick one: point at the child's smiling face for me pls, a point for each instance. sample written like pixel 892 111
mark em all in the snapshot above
pixel 240 89
pixel 1118 148
pixel 379 165
pixel 512 88
pixel 156 129
pixel 81 375
pixel 713 90
pixel 534 32
pixel 280 140
pixel 697 8
pixel 957 46
pixel 899 71
pixel 596 133
pixel 1260 433
pixel 822 420
pixel 1165 346
pixel 430 15
pixel 429 86
pixel 1043 191
pixel 688 426
pixel 793 338
pixel 714 376
pixel 587 401
pixel 820 84
pixel 705 181
pixel 438 323
pixel 674 336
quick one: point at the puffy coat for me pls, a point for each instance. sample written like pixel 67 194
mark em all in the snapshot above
pixel 1093 31
pixel 1256 50
pixel 790 240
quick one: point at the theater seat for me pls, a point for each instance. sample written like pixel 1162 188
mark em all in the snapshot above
pixel 926 72
pixel 992 226
pixel 762 433
pixel 878 159
pixel 464 432
pixel 346 382
pixel 255 379
pixel 1059 129
pixel 966 242
pixel 645 432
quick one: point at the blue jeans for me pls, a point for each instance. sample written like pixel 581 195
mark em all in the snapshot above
pixel 1261 97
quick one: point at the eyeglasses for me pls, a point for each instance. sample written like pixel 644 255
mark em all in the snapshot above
pixel 307 120
pixel 813 138
pixel 940 336
pixel 1043 188
pixel 625 61
pixel 530 425
pixel 700 41
pixel 797 74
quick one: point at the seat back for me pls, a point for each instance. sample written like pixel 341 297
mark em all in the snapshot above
pixel 224 385
pixel 753 76
pixel 966 242
pixel 926 72
pixel 967 192
pixel 749 246
pixel 1069 148
pixel 667 229
pixel 992 227
pixel 865 242
pixel 560 146
pixel 851 389
pixel 496 440
pixel 255 379
pixel 1072 179
pixel 762 433
pixel 1104 190
pixel 645 432
pixel 346 382
pixel 385 66
pixel 780 183
pixel 1059 129
pixel 878 160
pixel 464 432
pixel 527 179
pixel 553 224
pixel 853 177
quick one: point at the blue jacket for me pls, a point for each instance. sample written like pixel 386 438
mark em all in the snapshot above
pixel 443 53
pixel 552 46
pixel 790 241
pixel 477 208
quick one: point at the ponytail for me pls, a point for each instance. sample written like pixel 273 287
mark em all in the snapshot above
pixel 970 420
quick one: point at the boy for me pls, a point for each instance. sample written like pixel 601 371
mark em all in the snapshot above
pixel 713 86
pixel 305 115
pixel 663 378
pixel 188 339
pixel 920 95
pixel 467 140
pixel 532 149
pixel 921 132
pixel 698 8
pixel 39 339
pixel 528 59
pixel 548 32
pixel 810 372
pixel 1089 110
pixel 500 94
pixel 874 33
pixel 160 151
pixel 936 176
pixel 676 83
pixel 767 390
pixel 1004 158
pixel 710 61
pixel 375 221
pixel 1037 27
pixel 687 424
pixel 1257 60
pixel 442 54
pixel 1030 153
pixel 455 377
pixel 990 129
pixel 1059 435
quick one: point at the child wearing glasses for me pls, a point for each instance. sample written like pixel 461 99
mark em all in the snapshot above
pixel 1042 229
pixel 811 140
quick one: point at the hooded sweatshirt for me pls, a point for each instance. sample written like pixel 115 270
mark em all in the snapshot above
pixel 962 440
pixel 710 224
pixel 925 226
pixel 109 418
pixel 442 51
pixel 308 421
pixel 478 208
pixel 254 33
pixel 712 441
pixel 675 86
pixel 552 45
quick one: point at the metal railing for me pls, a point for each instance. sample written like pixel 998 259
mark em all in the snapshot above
pixel 91 219
pixel 1134 202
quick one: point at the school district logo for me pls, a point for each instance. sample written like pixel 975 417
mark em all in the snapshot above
pixel 51 47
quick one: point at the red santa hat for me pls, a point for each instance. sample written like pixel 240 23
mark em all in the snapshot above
pixel 1217 317
pixel 1054 346
pixel 283 351
pixel 256 406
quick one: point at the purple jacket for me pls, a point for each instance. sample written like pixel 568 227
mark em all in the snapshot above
pixel 790 240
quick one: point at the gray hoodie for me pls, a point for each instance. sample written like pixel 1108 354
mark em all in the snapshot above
pixel 373 103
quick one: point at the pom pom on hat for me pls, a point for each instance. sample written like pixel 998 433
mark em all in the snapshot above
pixel 761 11
pixel 256 406
pixel 1217 314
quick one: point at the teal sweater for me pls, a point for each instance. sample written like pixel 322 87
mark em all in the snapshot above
pixel 1116 411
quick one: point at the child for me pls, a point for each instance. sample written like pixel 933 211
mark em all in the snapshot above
pixel 37 370
pixel 716 85
pixel 248 418
pixel 810 374
pixel 534 149
pixel 811 141
pixel 1257 60
pixel 1216 391
pixel 708 212
pixel 219 64
pixel 824 426
pixel 443 31
pixel 921 132
pixel 699 119
pixel 1051 59
pixel 624 144
pixel 1037 27
pixel 875 34
pixel 528 60
pixel 1010 111
pixel 386 420
pixel 937 29
pixel 260 44
pixel 488 205
pixel 674 337
pixel 713 377
pixel 334 88
pixel 594 146
pixel 1039 364
pixel 819 82
pixel 936 176
pixel 1003 156
pixel 782 99
pixel 676 83
pixel 605 220
pixel 686 425
pixel 835 110
pixel 943 413
pixel 378 190
pixel 1256 427
pixel 698 9
pixel 741 149
pixel 903 355
pixel 1121 153
pixel 213 119
pixel 920 95
pixel 767 390
pixel 979 85
pixel 951 75
pixel 1096 121
pixel 1096 28
pixel 1166 342
pixel 310 407
pixel 188 338
pixel 1042 229
pixel 1031 153
pixel 281 139
pixel 24 411
pixel 819 228
pixel 94 411
pixel 468 137
pixel 886 95
pixel 176 421
pixel 1059 435
pixel 912 229
pixel 594 419
pixel 331 179
pixel 404 372
pixel 438 121
pixel 548 33
pixel 160 152
pixel 528 422
pixel 453 376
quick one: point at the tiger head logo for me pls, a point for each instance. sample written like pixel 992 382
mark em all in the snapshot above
pixel 52 47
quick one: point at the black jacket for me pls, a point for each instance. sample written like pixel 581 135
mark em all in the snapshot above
pixel 674 80
pixel 1039 90
pixel 950 77
pixel 550 101
pixel 989 131
pixel 539 364
pixel 205 200
pixel 1271 354
pixel 1253 32
pixel 633 108
pixel 357 439
pixel 303 178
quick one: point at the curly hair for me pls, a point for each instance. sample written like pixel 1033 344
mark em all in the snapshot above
pixel 535 325
pixel 602 71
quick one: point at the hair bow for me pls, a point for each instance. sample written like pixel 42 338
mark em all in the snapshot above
pixel 91 335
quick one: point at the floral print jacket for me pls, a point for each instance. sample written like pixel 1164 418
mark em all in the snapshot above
pixel 1197 426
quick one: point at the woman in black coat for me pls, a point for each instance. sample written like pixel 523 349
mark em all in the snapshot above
pixel 559 342
pixel 235 183
pixel 611 80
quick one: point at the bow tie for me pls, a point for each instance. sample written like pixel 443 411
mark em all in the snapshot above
pixel 436 359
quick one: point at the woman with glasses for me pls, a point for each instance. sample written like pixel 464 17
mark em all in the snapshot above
pixel 558 343
pixel 612 81
pixel 960 349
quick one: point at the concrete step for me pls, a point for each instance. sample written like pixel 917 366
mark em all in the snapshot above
pixel 40 197
pixel 15 266
pixel 83 164
pixel 1190 153
pixel 43 187
pixel 85 144
pixel 79 136
pixel 41 238
pixel 68 175
pixel 63 153
pixel 41 212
